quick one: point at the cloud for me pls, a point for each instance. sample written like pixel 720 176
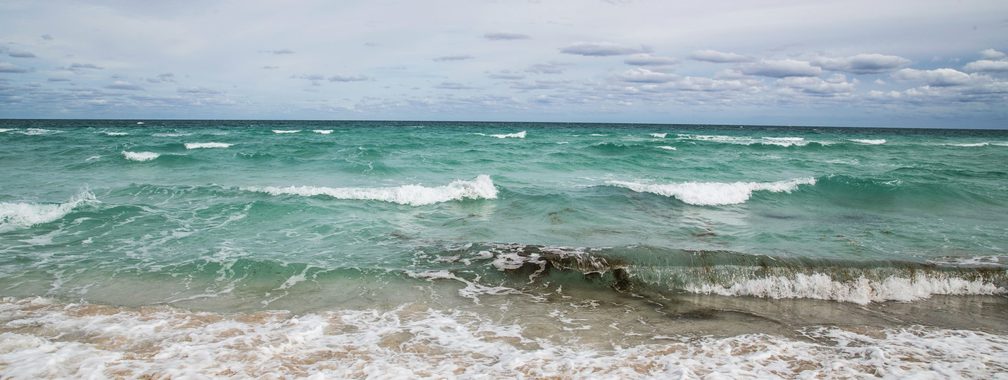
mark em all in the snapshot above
pixel 601 49
pixel 937 77
pixel 649 60
pixel 20 54
pixel 312 77
pixel 164 77
pixel 506 75
pixel 47 37
pixel 992 54
pixel 863 63
pixel 781 69
pixel 640 75
pixel 503 36
pixel 58 79
pixel 546 68
pixel 6 67
pixel 280 51
pixel 837 85
pixel 986 65
pixel 198 91
pixel 449 58
pixel 123 85
pixel 270 67
pixel 348 78
pixel 718 57
pixel 84 66
pixel 453 86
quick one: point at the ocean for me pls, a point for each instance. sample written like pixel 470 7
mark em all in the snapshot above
pixel 500 250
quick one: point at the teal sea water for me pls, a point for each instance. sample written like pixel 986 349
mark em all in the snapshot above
pixel 685 229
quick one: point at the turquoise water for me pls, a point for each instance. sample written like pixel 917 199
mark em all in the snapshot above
pixel 202 208
pixel 418 249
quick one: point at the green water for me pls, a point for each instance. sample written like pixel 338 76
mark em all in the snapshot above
pixel 262 211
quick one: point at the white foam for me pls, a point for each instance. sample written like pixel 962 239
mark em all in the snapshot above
pixel 140 156
pixel 107 133
pixel 979 144
pixel 517 135
pixel 283 131
pixel 414 195
pixel 659 135
pixel 869 141
pixel 4 130
pixel 37 132
pixel 47 340
pixel 171 134
pixel 860 291
pixel 745 140
pixel 666 147
pixel 22 215
pixel 207 145
pixel 714 193
pixel 322 131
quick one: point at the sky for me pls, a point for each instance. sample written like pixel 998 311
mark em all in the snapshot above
pixel 891 63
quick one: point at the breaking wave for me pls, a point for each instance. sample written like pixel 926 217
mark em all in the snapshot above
pixel 714 193
pixel 207 145
pixel 414 195
pixel 516 135
pixel 322 131
pixel 140 156
pixel 22 215
pixel 285 131
pixel 869 141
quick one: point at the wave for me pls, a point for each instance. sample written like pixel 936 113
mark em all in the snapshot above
pixel 714 193
pixel 659 135
pixel 666 147
pixel 414 195
pixel 284 131
pixel 517 135
pixel 745 140
pixel 207 145
pixel 140 156
pixel 978 144
pixel 171 134
pixel 114 134
pixel 21 215
pixel 869 141
pixel 44 338
pixel 322 131
pixel 5 130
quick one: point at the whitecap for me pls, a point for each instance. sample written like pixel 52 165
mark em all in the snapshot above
pixel 37 132
pixel 206 145
pixel 171 134
pixel 21 215
pixel 659 135
pixel 869 141
pixel 114 134
pixel 284 131
pixel 140 156
pixel 322 131
pixel 714 193
pixel 517 135
pixel 666 147
pixel 414 195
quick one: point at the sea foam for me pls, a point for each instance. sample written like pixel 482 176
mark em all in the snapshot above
pixel 414 195
pixel 322 131
pixel 659 135
pixel 140 156
pixel 207 145
pixel 869 141
pixel 21 215
pixel 284 131
pixel 714 193
pixel 516 135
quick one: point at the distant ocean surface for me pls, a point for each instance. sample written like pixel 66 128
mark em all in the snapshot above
pixel 460 249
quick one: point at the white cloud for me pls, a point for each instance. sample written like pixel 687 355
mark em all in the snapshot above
pixel 640 75
pixel 781 68
pixel 449 58
pixel 649 60
pixel 718 57
pixel 863 63
pixel 937 77
pixel 818 86
pixel 499 36
pixel 123 85
pixel 7 67
pixel 992 54
pixel 986 65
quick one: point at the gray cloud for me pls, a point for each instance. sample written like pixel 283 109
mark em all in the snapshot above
pixel 453 86
pixel 645 76
pixel 448 58
pixel 47 37
pixel 312 77
pixel 348 78
pixel 270 67
pixel 498 36
pixel 123 85
pixel 6 67
pixel 506 75
pixel 164 77
pixel 718 57
pixel 601 49
pixel 198 91
pixel 986 65
pixel 817 86
pixel 280 51
pixel 20 54
pixel 863 63
pixel 937 77
pixel 546 68
pixel 649 60
pixel 58 79
pixel 83 66
pixel 781 69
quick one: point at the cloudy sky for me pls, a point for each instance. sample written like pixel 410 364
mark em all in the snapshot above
pixel 860 63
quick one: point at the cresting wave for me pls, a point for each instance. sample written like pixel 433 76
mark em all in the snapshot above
pixel 46 339
pixel 414 195
pixel 517 135
pixel 285 131
pixel 22 215
pixel 746 140
pixel 869 141
pixel 207 145
pixel 140 156
pixel 659 135
pixel 714 193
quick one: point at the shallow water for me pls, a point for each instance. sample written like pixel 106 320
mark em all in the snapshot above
pixel 487 247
